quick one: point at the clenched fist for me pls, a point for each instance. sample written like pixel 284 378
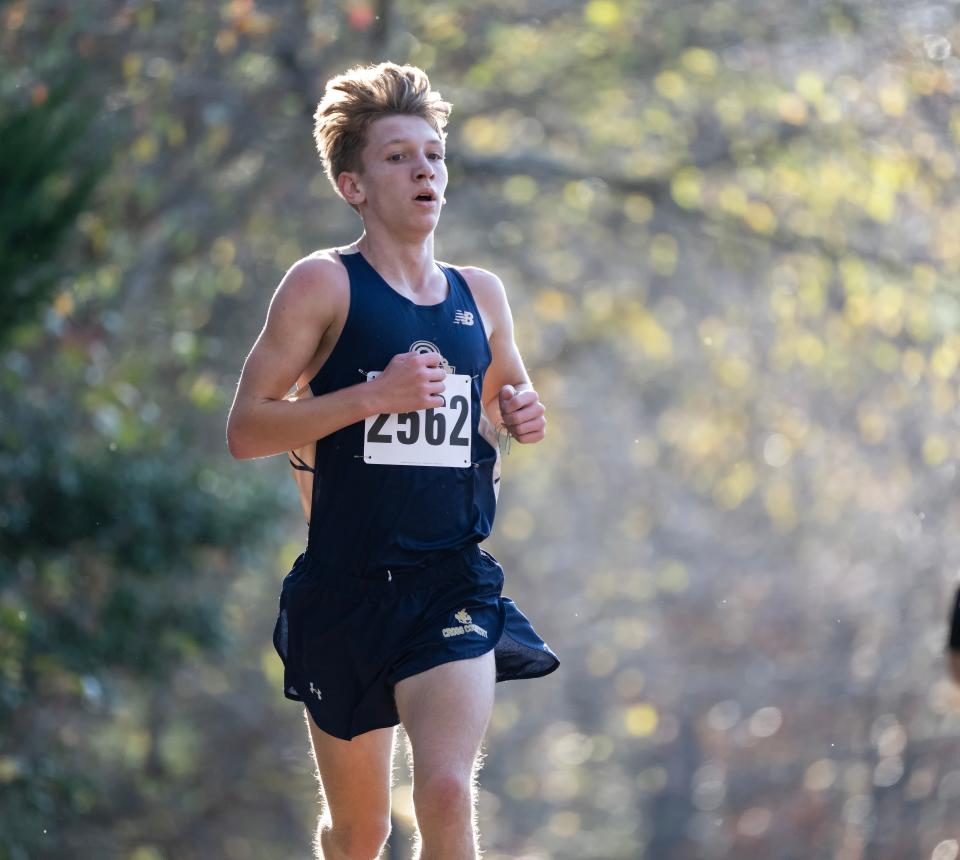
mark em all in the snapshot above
pixel 411 381
pixel 522 414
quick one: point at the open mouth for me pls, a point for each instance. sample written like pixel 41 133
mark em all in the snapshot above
pixel 425 196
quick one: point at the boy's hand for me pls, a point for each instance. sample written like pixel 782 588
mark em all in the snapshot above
pixel 411 381
pixel 522 414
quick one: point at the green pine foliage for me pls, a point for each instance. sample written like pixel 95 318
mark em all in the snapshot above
pixel 114 558
pixel 47 175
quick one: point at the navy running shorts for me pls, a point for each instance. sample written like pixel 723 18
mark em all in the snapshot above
pixel 346 640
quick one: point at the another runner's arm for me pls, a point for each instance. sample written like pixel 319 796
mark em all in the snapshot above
pixel 509 398
pixel 262 423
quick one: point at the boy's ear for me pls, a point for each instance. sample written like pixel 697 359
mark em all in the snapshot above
pixel 351 188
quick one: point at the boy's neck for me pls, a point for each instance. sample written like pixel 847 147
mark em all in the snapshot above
pixel 404 264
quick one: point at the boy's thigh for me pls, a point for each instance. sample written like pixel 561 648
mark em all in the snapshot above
pixel 355 774
pixel 445 712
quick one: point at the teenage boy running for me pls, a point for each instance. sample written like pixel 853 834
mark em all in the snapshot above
pixel 393 613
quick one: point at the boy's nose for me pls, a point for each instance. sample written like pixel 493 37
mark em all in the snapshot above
pixel 424 169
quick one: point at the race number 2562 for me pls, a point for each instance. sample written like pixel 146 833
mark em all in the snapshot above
pixel 439 436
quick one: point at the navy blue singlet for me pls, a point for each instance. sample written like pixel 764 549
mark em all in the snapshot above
pixel 366 517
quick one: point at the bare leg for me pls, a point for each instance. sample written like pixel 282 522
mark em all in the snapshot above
pixel 355 781
pixel 445 712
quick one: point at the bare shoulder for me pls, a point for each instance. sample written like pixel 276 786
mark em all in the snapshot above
pixel 491 298
pixel 482 282
pixel 315 283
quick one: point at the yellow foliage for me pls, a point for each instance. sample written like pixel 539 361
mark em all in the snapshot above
pixel 732 199
pixel 913 365
pixel 484 135
pixel 779 503
pixel 663 254
pixel 944 360
pixel 604 14
pixel 579 195
pixel 881 205
pixel 521 189
pixel 176 134
pixel 63 304
pixel 641 720
pixel 673 578
pixel 204 392
pixel 760 218
pixel 886 357
pixel 853 273
pixel 809 85
pixel 222 251
pixel 783 303
pixel 856 311
pixel 733 372
pixel 792 109
pixel 132 64
pixel 648 334
pixel 145 148
pixel 893 99
pixel 670 85
pixel 733 489
pixel 729 109
pixel 810 349
pixel 657 119
pixel 686 187
pixel 955 124
pixel 551 305
pixel 943 399
pixel 830 110
pixel 873 424
pixel 638 208
pixel 925 82
pixel 936 449
pixel 699 61
pixel 146 852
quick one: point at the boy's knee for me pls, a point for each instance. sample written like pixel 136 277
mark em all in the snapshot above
pixel 443 793
pixel 355 840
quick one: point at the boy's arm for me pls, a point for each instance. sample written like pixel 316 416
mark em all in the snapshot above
pixel 262 422
pixel 509 398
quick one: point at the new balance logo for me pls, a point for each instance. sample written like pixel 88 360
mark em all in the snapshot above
pixel 463 318
pixel 315 691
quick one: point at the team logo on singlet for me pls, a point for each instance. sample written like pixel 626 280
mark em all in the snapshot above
pixel 422 347
pixel 466 625
pixel 463 318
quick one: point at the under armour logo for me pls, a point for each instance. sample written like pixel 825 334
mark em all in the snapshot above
pixel 315 691
pixel 463 318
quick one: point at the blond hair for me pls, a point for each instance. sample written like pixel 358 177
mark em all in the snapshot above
pixel 359 96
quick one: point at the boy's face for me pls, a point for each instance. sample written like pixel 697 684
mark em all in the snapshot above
pixel 404 175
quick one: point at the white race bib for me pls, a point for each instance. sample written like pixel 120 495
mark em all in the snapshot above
pixel 439 436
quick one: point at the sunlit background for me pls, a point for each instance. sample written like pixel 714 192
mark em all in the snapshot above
pixel 730 233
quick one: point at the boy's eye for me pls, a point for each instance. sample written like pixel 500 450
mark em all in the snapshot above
pixel 396 156
pixel 436 156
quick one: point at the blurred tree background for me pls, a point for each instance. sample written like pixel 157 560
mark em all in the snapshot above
pixel 730 233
